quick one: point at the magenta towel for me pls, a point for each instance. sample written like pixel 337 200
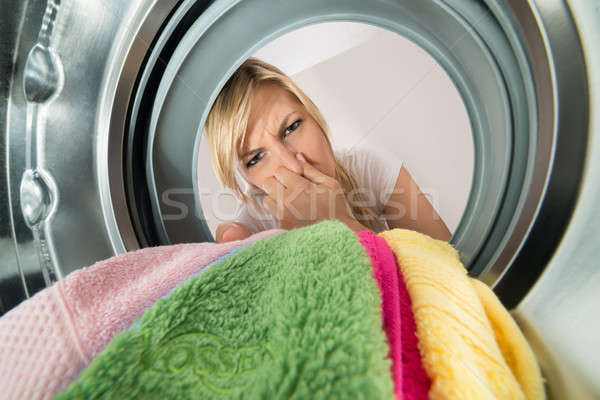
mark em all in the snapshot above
pixel 47 340
pixel 385 270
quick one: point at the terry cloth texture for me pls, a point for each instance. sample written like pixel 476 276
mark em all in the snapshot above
pixel 47 340
pixel 410 379
pixel 514 346
pixel 297 315
pixel 465 355
pixel 385 271
pixel 415 381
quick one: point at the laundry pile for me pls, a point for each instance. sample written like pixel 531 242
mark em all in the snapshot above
pixel 314 312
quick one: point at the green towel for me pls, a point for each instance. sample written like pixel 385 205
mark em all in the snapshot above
pixel 297 315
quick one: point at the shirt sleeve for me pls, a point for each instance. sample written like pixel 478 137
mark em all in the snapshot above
pixel 377 170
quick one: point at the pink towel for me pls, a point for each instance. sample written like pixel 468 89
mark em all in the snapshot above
pixel 48 339
pixel 385 270
pixel 410 379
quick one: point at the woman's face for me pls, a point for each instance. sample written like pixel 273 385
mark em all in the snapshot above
pixel 279 127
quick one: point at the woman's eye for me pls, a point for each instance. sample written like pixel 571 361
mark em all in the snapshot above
pixel 254 160
pixel 293 127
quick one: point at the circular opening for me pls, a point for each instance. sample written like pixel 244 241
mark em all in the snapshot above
pixel 377 91
pixel 467 43
pixel 494 56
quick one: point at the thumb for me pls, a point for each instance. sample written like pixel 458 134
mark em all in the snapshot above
pixel 311 172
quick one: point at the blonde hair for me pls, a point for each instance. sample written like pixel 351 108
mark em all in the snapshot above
pixel 227 122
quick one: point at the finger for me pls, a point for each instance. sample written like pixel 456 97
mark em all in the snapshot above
pixel 273 187
pixel 274 207
pixel 268 204
pixel 290 179
pixel 313 174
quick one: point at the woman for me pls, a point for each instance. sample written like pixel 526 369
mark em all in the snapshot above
pixel 263 127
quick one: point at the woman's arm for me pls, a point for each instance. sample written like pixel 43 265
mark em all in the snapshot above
pixel 409 208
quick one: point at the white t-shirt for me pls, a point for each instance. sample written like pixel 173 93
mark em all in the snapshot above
pixel 376 172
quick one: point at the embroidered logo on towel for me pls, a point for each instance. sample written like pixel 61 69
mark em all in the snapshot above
pixel 207 357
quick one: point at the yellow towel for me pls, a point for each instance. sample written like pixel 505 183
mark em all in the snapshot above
pixel 470 346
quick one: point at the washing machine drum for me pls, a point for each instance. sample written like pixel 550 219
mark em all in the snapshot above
pixel 106 101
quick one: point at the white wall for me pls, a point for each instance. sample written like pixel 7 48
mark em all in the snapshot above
pixel 377 90
pixel 303 48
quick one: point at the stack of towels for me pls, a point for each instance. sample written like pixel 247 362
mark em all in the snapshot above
pixel 315 312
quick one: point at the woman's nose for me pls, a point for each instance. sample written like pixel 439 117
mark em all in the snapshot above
pixel 287 158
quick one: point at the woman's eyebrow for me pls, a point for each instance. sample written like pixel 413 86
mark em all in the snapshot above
pixel 281 128
pixel 251 151
pixel 284 121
